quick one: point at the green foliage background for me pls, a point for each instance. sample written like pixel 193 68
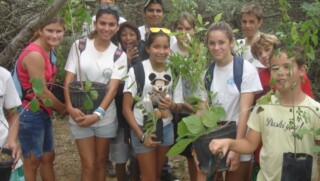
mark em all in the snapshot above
pixel 280 17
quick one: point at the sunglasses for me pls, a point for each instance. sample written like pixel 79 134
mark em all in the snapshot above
pixel 157 30
pixel 112 8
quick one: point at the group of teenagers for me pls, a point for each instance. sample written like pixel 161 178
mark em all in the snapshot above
pixel 103 134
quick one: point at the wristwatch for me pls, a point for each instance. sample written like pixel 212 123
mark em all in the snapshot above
pixel 142 138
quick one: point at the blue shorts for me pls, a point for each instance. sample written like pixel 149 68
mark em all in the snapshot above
pixel 168 140
pixel 35 132
pixel 119 149
pixel 106 131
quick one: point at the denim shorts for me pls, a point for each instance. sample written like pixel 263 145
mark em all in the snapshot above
pixel 168 140
pixel 106 131
pixel 35 132
pixel 119 149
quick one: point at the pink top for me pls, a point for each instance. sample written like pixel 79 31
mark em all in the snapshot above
pixel 50 71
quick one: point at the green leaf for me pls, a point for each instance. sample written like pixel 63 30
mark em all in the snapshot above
pixel 303 131
pixel 194 124
pixel 260 109
pixel 193 100
pixel 311 53
pixel 266 99
pixel 219 113
pixel 94 94
pixel 37 86
pixel 34 105
pixel 47 102
pixel 217 18
pixel 88 85
pixel 88 104
pixel 273 82
pixel 315 39
pixel 182 129
pixel 179 146
pixel 208 119
pixel 294 33
pixel 200 19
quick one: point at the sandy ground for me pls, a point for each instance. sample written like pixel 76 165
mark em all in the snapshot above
pixel 67 162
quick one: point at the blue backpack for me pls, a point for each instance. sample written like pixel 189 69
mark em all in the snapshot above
pixel 237 73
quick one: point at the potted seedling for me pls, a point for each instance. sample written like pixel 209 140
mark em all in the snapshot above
pixel 199 129
pixel 296 166
pixel 87 95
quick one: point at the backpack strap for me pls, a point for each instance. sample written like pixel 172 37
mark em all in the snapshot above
pixel 117 54
pixel 209 76
pixel 140 78
pixel 238 71
pixel 82 44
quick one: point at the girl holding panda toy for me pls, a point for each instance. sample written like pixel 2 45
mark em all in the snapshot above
pixel 151 154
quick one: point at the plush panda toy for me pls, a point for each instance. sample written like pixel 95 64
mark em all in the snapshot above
pixel 159 84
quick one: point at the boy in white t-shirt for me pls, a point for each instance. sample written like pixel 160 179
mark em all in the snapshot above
pixel 9 100
pixel 271 122
pixel 251 20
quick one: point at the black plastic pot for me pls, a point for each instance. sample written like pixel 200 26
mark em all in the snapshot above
pixel 79 96
pixel 6 165
pixel 159 131
pixel 201 146
pixel 296 169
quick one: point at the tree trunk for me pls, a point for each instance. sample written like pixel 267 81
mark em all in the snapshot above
pixel 10 52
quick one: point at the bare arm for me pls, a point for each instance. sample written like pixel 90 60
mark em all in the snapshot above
pixel 35 65
pixel 246 100
pixel 128 113
pixel 74 112
pixel 243 145
pixel 14 122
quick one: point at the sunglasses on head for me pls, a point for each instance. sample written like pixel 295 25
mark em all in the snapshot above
pixel 157 30
pixel 112 8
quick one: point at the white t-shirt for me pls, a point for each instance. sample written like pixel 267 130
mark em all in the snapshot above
pixel 131 86
pixel 9 98
pixel 142 30
pixel 97 67
pixel 242 49
pixel 273 124
pixel 228 94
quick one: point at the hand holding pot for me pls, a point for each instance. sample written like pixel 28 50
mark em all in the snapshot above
pixel 16 151
pixel 148 142
pixel 218 145
pixel 87 120
pixel 233 161
pixel 75 113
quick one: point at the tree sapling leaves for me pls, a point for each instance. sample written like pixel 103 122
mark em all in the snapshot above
pixel 209 119
pixel 88 103
pixel 37 86
pixel 179 147
pixel 88 85
pixel 194 124
pixel 94 94
pixel 34 105
pixel 47 102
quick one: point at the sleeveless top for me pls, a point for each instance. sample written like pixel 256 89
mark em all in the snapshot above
pixel 50 71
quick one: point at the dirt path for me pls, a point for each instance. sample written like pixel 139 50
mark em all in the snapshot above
pixel 67 162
